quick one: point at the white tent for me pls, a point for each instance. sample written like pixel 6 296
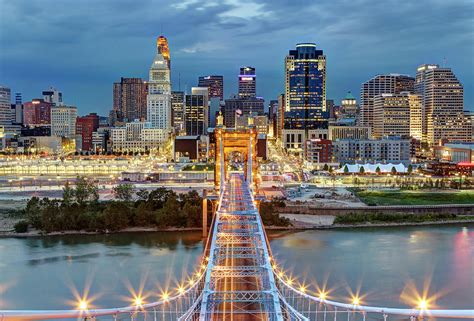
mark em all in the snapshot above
pixel 372 168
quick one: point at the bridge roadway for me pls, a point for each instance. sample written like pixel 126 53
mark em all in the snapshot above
pixel 239 283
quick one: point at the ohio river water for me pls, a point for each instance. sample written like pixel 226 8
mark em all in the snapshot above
pixel 45 272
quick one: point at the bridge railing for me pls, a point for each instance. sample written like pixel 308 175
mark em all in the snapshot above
pixel 319 307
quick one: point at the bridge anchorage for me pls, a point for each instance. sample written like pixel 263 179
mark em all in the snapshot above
pixel 238 280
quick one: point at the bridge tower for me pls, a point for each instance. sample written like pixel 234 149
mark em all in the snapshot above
pixel 232 142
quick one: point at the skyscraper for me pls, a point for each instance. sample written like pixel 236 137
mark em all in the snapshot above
pixel 381 84
pixel 37 113
pixel 129 102
pixel 247 83
pixel 63 121
pixel 305 94
pixel 349 106
pixel 215 85
pixel 241 107
pixel 159 89
pixel 442 97
pixel 397 115
pixel 177 111
pixel 196 112
pixel 5 106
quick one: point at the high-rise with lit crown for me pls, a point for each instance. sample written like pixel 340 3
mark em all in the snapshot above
pixel 159 90
pixel 247 83
pixel 215 85
pixel 305 94
pixel 163 48
pixel 442 96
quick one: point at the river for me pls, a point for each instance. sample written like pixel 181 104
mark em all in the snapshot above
pixel 385 265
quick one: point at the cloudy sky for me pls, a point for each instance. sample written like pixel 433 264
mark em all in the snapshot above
pixel 83 46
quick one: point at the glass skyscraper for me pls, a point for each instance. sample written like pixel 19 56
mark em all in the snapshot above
pixel 305 88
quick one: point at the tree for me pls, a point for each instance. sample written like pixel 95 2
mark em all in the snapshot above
pixel 377 170
pixel 124 192
pixel 115 216
pixel 68 194
pixel 326 167
pixel 394 171
pixel 142 195
pixel 85 191
pixel 346 169
pixel 410 169
pixel 362 170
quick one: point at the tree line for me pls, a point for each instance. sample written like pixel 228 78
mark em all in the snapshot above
pixel 80 209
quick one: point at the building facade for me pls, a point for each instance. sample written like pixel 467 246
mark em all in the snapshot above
pixel 397 115
pixel 442 97
pixel 177 111
pixel 37 113
pixel 159 93
pixel 196 113
pixel 247 83
pixel 337 132
pixel 381 84
pixel 5 106
pixel 129 101
pixel 214 84
pixel 63 121
pixel 85 127
pixel 387 150
pixel 237 107
pixel 317 151
pixel 53 96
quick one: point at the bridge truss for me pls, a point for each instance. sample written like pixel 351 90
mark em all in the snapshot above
pixel 237 280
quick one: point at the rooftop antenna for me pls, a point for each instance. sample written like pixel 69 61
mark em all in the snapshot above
pixel 179 81
pixel 445 62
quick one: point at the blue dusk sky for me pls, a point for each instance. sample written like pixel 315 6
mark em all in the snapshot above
pixel 82 46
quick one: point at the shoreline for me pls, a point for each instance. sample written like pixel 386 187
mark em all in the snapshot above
pixel 32 234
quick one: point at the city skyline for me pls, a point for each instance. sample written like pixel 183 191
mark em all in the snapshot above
pixel 79 64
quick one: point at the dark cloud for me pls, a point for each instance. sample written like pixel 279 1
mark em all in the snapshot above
pixel 82 47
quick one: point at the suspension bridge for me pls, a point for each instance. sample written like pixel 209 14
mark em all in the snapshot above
pixel 237 278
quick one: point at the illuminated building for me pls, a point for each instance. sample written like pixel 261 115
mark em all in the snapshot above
pixel 215 85
pixel 317 151
pixel 305 95
pixel 196 112
pixel 129 101
pixel 53 96
pixel 247 83
pixel 63 121
pixel 381 84
pixel 177 111
pixel 442 97
pixel 5 106
pixel 397 115
pixel 137 136
pixel 455 153
pixel 163 48
pixel 36 113
pixel 237 107
pixel 349 107
pixel 336 132
pixel 159 91
pixel 85 126
pixel 391 149
pixel 280 117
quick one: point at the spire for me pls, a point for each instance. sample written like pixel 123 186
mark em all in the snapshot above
pixel 163 49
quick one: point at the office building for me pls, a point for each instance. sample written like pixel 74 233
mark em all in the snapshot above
pixel 215 104
pixel 214 84
pixel 53 96
pixel 137 136
pixel 381 84
pixel 159 91
pixel 37 112
pixel 5 106
pixel 305 94
pixel 387 150
pixel 397 115
pixel 280 117
pixel 177 111
pixel 247 83
pixel 63 121
pixel 196 112
pixel 85 127
pixel 349 107
pixel 317 151
pixel 129 100
pixel 455 153
pixel 237 107
pixel 337 132
pixel 442 96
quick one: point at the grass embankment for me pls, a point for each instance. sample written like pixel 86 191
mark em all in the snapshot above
pixel 381 218
pixel 370 197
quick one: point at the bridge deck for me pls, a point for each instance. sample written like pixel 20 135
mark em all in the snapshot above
pixel 239 280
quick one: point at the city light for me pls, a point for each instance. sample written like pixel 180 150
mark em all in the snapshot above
pixel 322 295
pixel 138 301
pixel 355 301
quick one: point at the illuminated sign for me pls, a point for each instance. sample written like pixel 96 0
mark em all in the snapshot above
pixel 246 78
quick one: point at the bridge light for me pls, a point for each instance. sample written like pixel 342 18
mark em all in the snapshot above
pixel 280 274
pixel 138 301
pixel 322 295
pixel 289 281
pixel 180 290
pixel 82 305
pixel 165 296
pixel 302 289
pixel 191 281
pixel 355 301
pixel 423 304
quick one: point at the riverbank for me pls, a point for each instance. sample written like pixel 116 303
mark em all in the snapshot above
pixel 297 226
